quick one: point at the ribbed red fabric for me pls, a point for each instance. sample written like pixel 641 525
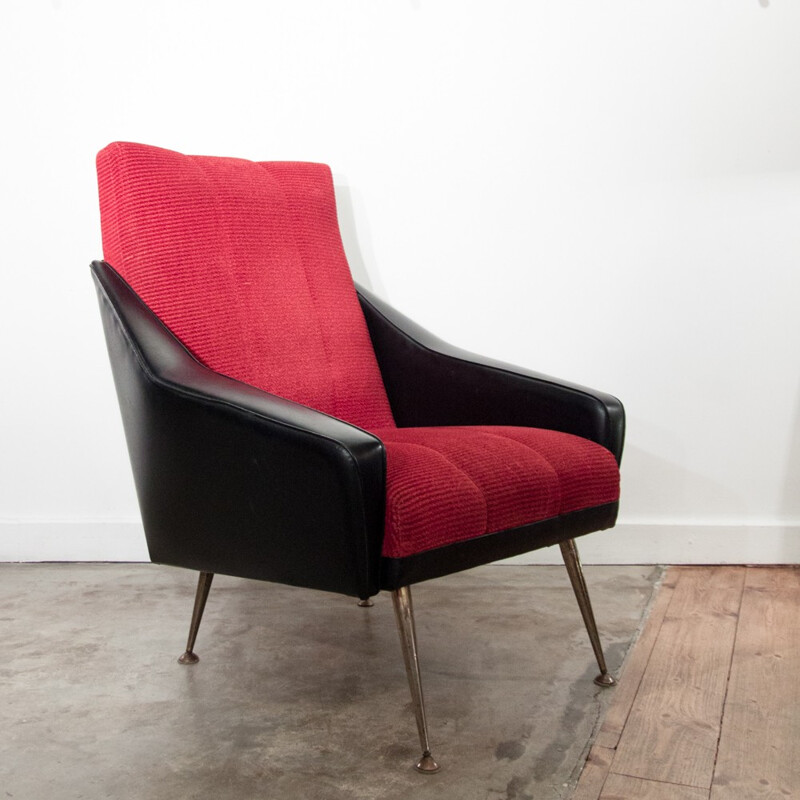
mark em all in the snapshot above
pixel 243 261
pixel 445 485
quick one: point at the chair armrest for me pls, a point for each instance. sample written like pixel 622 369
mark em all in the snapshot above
pixel 231 479
pixel 430 382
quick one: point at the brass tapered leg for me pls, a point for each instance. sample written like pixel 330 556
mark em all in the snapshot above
pixel 404 613
pixel 573 564
pixel 203 585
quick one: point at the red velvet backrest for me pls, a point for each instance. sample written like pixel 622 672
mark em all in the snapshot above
pixel 243 262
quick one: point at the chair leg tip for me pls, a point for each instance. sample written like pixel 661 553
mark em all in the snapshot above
pixel 605 679
pixel 426 764
pixel 366 603
pixel 188 658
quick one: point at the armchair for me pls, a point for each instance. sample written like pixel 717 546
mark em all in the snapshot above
pixel 286 425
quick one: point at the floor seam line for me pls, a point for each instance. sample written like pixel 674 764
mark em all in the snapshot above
pixel 728 678
pixel 657 780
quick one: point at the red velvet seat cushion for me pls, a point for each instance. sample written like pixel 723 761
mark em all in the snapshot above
pixel 446 485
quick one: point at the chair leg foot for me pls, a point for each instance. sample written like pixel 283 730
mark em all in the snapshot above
pixel 605 679
pixel 573 564
pixel 427 764
pixel 203 586
pixel 404 613
pixel 366 603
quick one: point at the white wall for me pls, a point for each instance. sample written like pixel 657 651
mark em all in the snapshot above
pixel 607 191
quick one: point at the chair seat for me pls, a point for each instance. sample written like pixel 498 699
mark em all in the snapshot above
pixel 448 484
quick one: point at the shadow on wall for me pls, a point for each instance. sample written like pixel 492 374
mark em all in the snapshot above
pixel 660 490
pixel 357 241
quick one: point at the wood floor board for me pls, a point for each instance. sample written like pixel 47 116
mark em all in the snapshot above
pixel 594 773
pixel 623 787
pixel 672 729
pixel 717 712
pixel 759 749
pixel 633 672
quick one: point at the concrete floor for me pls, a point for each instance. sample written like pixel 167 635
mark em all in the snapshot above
pixel 299 694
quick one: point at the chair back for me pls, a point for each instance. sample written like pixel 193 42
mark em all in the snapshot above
pixel 243 261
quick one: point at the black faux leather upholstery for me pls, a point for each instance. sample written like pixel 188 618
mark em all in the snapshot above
pixel 233 480
pixel 430 382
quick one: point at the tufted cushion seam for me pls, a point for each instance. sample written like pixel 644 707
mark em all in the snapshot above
pixel 527 446
pixel 395 518
pixel 505 437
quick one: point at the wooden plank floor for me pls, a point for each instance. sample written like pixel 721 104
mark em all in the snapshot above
pixel 708 704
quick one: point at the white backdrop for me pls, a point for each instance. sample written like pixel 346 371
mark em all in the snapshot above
pixel 606 191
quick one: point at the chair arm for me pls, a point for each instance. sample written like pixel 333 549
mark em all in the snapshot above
pixel 231 479
pixel 430 382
